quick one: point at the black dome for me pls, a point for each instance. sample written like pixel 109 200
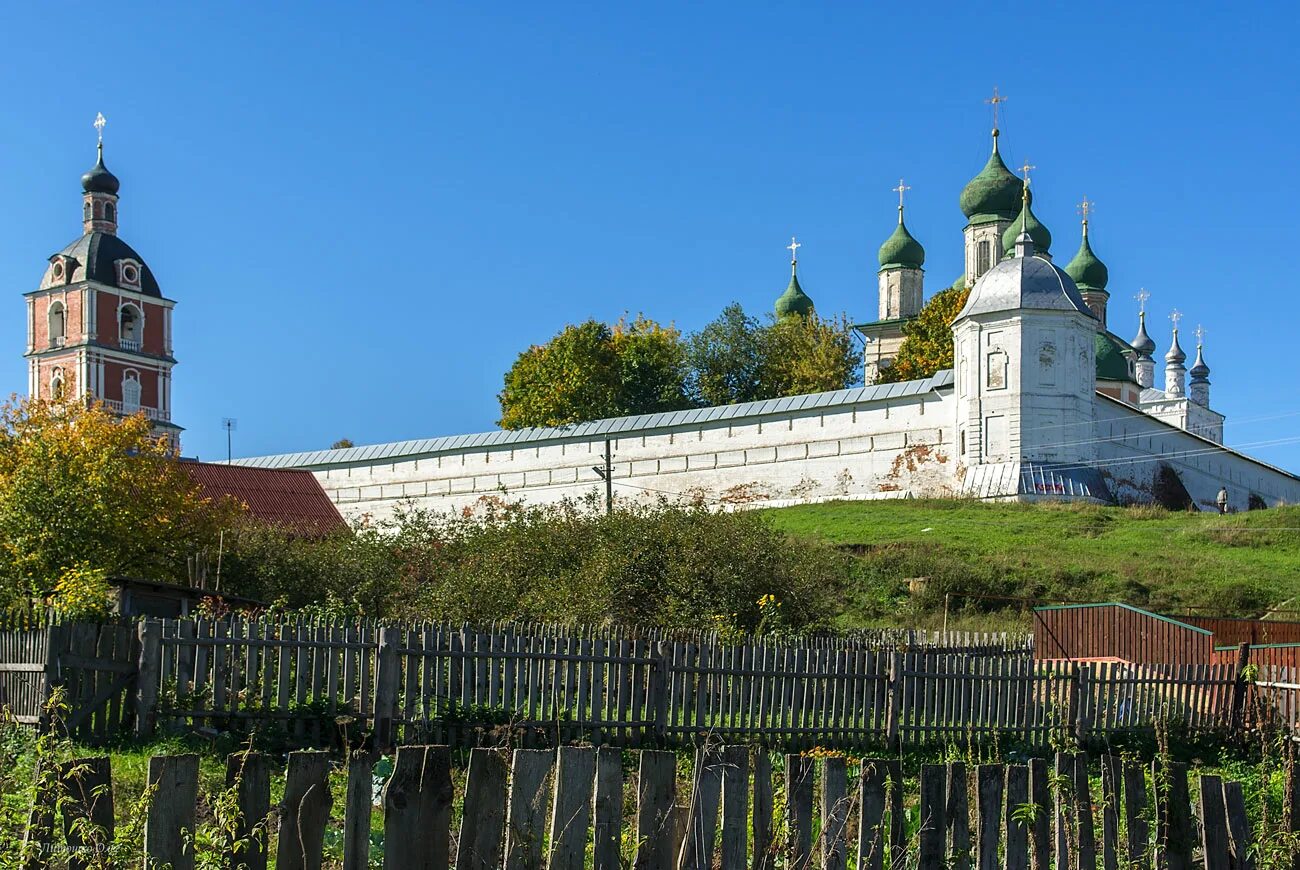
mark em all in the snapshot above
pixel 99 179
pixel 97 254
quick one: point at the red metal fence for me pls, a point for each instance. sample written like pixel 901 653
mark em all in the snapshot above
pixel 1118 631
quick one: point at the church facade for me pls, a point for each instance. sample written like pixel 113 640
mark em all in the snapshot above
pixel 98 325
pixel 1043 401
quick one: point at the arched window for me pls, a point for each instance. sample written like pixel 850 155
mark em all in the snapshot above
pixel 110 213
pixel 983 255
pixel 56 385
pixel 130 326
pixel 131 391
pixel 58 317
pixel 99 209
pixel 87 212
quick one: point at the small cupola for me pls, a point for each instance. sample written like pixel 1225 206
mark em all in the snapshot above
pixel 901 250
pixel 99 188
pixel 1027 222
pixel 992 195
pixel 794 300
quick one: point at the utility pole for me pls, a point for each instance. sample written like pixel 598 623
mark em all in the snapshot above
pixel 229 424
pixel 606 473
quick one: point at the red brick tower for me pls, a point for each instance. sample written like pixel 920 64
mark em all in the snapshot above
pixel 98 327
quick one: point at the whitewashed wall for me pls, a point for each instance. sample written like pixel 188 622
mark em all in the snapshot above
pixel 879 449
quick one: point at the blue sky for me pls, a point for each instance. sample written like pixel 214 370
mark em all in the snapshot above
pixel 365 212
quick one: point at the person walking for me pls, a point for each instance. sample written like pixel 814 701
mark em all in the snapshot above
pixel 1223 500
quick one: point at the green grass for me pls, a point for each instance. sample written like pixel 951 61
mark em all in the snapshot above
pixel 1237 565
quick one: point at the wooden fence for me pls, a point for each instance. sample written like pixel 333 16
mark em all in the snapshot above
pixel 465 687
pixel 1118 631
pixel 735 809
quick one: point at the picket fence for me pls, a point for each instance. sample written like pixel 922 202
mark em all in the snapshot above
pixel 735 809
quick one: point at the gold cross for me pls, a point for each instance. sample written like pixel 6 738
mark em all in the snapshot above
pixel 100 121
pixel 1085 208
pixel 900 190
pixel 1142 297
pixel 995 100
pixel 1025 170
pixel 793 248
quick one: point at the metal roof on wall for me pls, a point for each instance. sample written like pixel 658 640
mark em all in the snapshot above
pixel 614 426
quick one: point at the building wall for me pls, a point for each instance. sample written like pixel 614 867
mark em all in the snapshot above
pixel 1132 446
pixel 882 449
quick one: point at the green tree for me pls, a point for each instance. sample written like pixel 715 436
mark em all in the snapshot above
pixel 725 359
pixel 593 370
pixel 809 355
pixel 82 491
pixel 927 342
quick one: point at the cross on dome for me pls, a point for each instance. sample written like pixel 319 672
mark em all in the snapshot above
pixel 996 100
pixel 900 190
pixel 1200 335
pixel 793 248
pixel 1142 297
pixel 1025 171
pixel 1176 316
pixel 1086 207
pixel 100 121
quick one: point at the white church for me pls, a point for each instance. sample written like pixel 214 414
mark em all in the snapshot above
pixel 1043 402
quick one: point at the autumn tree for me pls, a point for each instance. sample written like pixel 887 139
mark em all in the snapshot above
pixel 927 342
pixel 725 359
pixel 808 355
pixel 593 370
pixel 82 489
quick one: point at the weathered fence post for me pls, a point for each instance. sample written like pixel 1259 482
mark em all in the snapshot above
pixel 1082 692
pixel 895 701
pixel 1214 824
pixel 358 805
pixel 88 793
pixel 934 827
pixel 575 778
pixel 148 671
pixel 835 814
pixel 526 815
pixel 172 812
pixel 1237 703
pixel 658 699
pixel 483 821
pixel 250 773
pixel 387 678
pixel 656 792
pixel 607 808
pixel 417 809
pixel 304 811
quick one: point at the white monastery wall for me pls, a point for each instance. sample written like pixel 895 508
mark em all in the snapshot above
pixel 866 443
pixel 1131 447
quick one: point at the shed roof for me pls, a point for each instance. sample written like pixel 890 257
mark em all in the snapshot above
pixel 288 498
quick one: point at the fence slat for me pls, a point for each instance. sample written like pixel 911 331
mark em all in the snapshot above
pixel 358 804
pixel 483 821
pixel 526 824
pixel 575 773
pixel 417 809
pixel 799 809
pixel 250 775
pixel 177 778
pixel 656 793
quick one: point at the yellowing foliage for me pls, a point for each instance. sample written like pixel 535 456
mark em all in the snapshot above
pixel 927 347
pixel 82 490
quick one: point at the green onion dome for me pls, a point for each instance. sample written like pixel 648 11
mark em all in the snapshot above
pixel 1027 222
pixel 994 194
pixel 901 250
pixel 1087 271
pixel 793 300
pixel 1112 363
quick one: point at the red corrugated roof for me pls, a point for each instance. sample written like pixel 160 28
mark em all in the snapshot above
pixel 289 498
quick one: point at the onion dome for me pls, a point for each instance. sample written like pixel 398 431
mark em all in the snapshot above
pixel 1027 222
pixel 1199 370
pixel 99 179
pixel 1142 342
pixel 1175 354
pixel 794 300
pixel 1024 282
pixel 1087 271
pixel 1112 362
pixel 993 194
pixel 901 250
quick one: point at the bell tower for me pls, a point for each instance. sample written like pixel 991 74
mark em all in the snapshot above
pixel 98 326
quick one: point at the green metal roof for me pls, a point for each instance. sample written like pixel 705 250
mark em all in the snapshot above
pixel 901 250
pixel 993 194
pixel 794 300
pixel 1088 272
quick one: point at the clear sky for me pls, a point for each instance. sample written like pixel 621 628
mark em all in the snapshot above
pixel 365 211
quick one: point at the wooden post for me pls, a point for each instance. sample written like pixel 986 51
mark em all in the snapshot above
pixel 1040 795
pixel 1082 693
pixel 1110 804
pixel 1086 837
pixel 1173 816
pixel 608 809
pixel 250 774
pixel 1135 806
pixel 799 809
pixel 764 848
pixel 360 802
pixel 1214 824
pixel 88 789
pixel 656 792
pixel 958 815
pixel 872 837
pixel 1239 833
pixel 177 781
pixel 483 821
pixel 989 814
pixel 893 706
pixel 658 700
pixel 575 775
pixel 835 814
pixel 1237 704
pixel 526 826
pixel 934 827
pixel 702 818
pixel 417 809
pixel 735 807
pixel 388 667
pixel 1017 845
pixel 304 811
pixel 148 668
pixel 1063 797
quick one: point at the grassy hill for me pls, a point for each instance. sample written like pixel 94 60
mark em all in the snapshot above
pixel 1238 565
